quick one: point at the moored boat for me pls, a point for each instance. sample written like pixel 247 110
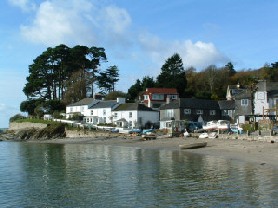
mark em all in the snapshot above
pixel 193 145
pixel 214 125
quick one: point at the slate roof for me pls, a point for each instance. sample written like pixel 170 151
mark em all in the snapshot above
pixel 161 90
pixel 104 104
pixel 226 104
pixel 84 101
pixel 273 93
pixel 133 106
pixel 192 103
pixel 271 86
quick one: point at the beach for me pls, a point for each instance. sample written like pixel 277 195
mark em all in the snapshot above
pixel 260 153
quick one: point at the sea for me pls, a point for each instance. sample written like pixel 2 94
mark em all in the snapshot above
pixel 93 175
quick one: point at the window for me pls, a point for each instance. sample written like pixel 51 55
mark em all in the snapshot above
pixel 146 97
pixel 199 112
pixel 212 112
pixel 158 97
pixel 71 109
pixel 115 115
pixel 170 113
pixel 244 102
pixel 130 114
pixel 187 111
pixel 224 113
pixel 174 97
pixel 92 112
pixel 82 109
pixel 104 112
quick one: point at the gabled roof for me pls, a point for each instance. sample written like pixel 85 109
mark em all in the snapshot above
pixel 271 86
pixel 133 106
pixel 161 90
pixel 84 101
pixel 226 104
pixel 192 103
pixel 104 104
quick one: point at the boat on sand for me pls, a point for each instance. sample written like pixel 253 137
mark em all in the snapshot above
pixel 193 145
pixel 222 125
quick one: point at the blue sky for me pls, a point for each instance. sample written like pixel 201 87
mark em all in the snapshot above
pixel 138 36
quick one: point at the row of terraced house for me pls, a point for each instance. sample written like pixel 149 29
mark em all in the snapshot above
pixel 155 106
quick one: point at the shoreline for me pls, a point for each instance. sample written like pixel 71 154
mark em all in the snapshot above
pixel 261 153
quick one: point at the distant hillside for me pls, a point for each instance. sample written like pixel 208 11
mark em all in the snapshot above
pixel 3 130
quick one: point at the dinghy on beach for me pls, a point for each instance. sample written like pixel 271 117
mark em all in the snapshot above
pixel 193 145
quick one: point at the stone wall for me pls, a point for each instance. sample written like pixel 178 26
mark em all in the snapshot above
pixel 26 125
pixel 86 133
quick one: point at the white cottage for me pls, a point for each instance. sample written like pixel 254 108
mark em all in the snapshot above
pixel 135 115
pixel 80 107
pixel 101 112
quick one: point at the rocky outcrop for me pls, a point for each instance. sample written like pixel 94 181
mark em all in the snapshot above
pixel 14 126
pixel 52 131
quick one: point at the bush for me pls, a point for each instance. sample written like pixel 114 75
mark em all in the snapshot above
pixel 106 124
pixel 248 127
pixel 17 117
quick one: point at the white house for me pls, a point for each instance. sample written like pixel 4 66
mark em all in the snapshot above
pixel 101 112
pixel 80 107
pixel 135 115
pixel 252 103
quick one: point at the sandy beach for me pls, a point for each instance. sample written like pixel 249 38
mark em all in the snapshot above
pixel 264 154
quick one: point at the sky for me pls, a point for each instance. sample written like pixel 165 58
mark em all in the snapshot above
pixel 138 36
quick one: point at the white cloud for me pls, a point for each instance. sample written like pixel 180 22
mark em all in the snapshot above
pixel 24 5
pixel 77 22
pixel 198 54
pixel 116 20
pixel 57 23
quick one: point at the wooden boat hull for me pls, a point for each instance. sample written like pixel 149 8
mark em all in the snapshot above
pixel 193 145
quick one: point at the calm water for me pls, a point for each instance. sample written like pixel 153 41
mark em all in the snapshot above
pixel 87 175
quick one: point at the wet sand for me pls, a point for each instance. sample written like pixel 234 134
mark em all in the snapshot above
pixel 264 154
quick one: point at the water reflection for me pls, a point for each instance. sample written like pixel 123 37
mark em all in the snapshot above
pixel 79 175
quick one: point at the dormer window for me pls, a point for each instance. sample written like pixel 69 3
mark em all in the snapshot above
pixel 158 97
pixel 244 102
pixel 199 112
pixel 187 111
pixel 146 97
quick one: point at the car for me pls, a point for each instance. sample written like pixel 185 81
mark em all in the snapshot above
pixel 274 129
pixel 193 126
pixel 114 130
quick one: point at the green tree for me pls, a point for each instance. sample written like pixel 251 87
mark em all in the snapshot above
pixel 172 75
pixel 230 68
pixel 134 90
pixel 114 95
pixel 76 87
pixel 29 106
pixel 107 79
pixel 147 82
pixel 96 56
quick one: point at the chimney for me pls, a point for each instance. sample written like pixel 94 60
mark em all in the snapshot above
pixel 121 100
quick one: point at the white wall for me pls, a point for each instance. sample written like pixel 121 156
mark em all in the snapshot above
pixel 152 116
pixel 260 102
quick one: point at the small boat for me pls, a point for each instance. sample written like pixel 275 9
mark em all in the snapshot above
pixel 193 145
pixel 148 137
pixel 222 125
pixel 211 125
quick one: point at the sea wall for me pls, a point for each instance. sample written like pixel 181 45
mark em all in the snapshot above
pixel 87 133
pixel 13 126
